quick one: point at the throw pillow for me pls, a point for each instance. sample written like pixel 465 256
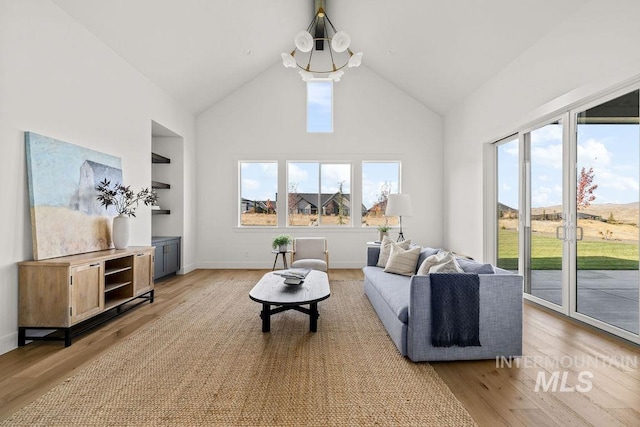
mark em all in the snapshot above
pixel 425 253
pixel 475 267
pixel 385 249
pixel 402 261
pixel 442 262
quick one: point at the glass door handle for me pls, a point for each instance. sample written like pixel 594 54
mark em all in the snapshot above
pixel 558 229
pixel 580 233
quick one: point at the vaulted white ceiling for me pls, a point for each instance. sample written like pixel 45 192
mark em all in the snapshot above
pixel 438 51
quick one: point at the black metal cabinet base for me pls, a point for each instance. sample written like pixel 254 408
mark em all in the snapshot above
pixel 67 334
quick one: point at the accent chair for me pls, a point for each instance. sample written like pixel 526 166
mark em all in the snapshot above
pixel 310 252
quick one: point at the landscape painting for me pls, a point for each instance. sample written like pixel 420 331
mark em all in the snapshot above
pixel 66 218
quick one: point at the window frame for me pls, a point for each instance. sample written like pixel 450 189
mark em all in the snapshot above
pixel 398 190
pixel 309 84
pixel 319 213
pixel 240 198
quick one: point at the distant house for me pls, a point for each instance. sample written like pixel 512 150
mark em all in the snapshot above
pixel 307 203
pixel 304 204
pixel 544 216
pixel 257 206
pixel 584 215
pixel 378 209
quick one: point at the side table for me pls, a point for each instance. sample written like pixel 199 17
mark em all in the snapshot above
pixel 284 258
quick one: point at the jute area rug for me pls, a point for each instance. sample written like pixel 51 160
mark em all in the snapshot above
pixel 208 363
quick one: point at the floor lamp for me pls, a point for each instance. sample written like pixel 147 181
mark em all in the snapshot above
pixel 399 205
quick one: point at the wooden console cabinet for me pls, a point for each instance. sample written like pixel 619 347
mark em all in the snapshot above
pixel 66 293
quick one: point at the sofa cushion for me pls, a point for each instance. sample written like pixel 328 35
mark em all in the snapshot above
pixel 402 261
pixel 313 264
pixel 469 266
pixel 442 262
pixel 385 250
pixel 393 288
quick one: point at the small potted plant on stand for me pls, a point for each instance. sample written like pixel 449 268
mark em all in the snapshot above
pixel 383 230
pixel 281 242
pixel 125 202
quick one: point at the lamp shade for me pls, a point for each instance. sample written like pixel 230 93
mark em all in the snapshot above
pixel 398 205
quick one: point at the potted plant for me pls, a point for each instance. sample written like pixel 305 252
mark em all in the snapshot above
pixel 125 201
pixel 281 242
pixel 383 230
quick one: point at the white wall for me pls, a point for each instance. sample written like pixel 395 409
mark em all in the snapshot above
pixel 265 120
pixel 58 80
pixel 594 49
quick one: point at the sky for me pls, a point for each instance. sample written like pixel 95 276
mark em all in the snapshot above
pixel 260 180
pixel 319 106
pixel 611 150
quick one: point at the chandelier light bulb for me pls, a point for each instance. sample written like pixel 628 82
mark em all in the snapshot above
pixel 306 76
pixel 336 75
pixel 303 41
pixel 340 41
pixel 288 61
pixel 355 60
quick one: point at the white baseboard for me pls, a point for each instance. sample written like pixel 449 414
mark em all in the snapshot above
pixel 187 269
pixel 267 266
pixel 8 342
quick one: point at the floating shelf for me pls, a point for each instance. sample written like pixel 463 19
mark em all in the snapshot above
pixel 157 158
pixel 160 185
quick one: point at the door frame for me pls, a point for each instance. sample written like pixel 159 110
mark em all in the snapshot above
pixel 568 115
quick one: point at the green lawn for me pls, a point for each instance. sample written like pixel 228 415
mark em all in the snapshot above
pixel 547 253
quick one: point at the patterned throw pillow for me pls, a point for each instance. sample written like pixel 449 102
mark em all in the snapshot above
pixel 402 261
pixel 442 262
pixel 385 249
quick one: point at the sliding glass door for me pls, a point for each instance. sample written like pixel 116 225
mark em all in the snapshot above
pixel 508 195
pixel 607 194
pixel 545 212
pixel 572 230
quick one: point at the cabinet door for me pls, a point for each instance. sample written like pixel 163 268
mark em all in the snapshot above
pixel 87 291
pixel 142 272
pixel 158 263
pixel 172 257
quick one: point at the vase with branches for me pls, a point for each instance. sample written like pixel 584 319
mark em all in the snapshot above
pixel 125 201
pixel 123 198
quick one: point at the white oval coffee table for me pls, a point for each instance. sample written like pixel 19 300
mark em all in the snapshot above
pixel 271 290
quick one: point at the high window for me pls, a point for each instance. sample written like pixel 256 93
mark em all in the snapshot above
pixel 258 193
pixel 320 106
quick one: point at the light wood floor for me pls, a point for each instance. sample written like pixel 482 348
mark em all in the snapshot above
pixel 494 395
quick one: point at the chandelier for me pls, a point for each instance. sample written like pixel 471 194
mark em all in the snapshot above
pixel 321 49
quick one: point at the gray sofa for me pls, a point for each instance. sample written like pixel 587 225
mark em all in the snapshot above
pixel 403 305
